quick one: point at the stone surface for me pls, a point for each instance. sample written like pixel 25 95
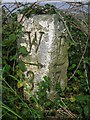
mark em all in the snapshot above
pixel 46 40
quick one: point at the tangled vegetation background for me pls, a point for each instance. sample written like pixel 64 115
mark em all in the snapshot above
pixel 74 102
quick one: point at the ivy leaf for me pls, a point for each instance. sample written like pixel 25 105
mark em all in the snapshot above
pixel 19 84
pixel 72 99
pixel 6 68
pixel 78 72
pixel 48 103
pixel 22 66
pixel 46 78
pixel 73 66
pixel 81 98
pixel 23 51
pixel 13 57
pixel 5 42
pixel 10 40
pixel 12 37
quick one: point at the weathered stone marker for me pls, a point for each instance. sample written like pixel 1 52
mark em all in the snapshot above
pixel 46 40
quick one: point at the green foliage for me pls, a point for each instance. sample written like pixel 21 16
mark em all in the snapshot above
pixel 10 40
pixel 78 90
pixel 23 51
pixel 44 87
pixel 36 9
pixel 21 66
pixel 15 106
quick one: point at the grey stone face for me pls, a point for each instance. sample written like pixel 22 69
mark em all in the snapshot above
pixel 45 40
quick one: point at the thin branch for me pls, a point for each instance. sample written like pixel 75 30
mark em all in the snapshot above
pixel 61 17
pixel 26 12
pixel 86 74
pixel 4 6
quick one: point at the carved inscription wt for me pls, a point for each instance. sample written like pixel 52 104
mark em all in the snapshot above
pixel 35 41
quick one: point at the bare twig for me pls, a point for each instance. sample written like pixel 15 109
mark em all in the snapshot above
pixel 86 74
pixel 61 17
pixel 26 12
pixel 4 6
